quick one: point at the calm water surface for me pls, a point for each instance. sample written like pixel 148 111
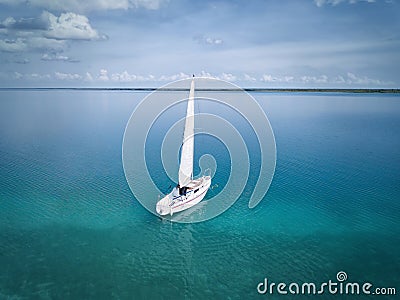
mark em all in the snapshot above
pixel 70 227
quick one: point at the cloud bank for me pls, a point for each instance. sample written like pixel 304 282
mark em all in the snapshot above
pixel 47 32
pixel 267 80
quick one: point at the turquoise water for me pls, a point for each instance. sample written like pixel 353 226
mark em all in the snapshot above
pixel 70 227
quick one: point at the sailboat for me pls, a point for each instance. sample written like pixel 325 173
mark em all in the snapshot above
pixel 189 191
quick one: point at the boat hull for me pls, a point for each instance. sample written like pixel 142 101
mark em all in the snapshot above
pixel 173 203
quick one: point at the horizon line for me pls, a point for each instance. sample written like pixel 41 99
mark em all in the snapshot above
pixel 248 89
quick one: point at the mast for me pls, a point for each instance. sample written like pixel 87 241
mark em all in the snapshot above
pixel 186 164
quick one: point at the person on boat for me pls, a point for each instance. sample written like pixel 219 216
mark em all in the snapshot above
pixel 182 191
pixel 176 192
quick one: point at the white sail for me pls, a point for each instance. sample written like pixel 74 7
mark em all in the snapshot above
pixel 186 165
pixel 190 191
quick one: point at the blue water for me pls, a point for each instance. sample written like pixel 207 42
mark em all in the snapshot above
pixel 70 227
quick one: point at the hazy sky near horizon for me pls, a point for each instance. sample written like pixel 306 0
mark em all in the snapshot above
pixel 308 43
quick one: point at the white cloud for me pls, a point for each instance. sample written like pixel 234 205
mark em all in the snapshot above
pixel 69 26
pixel 365 81
pixel 88 77
pixel 227 77
pixel 148 4
pixel 79 6
pixel 213 41
pixel 17 75
pixel 174 77
pixel 36 76
pixel 321 3
pixel 339 79
pixel 276 79
pixel 57 57
pixel 247 77
pixel 349 80
pixel 123 77
pixel 67 76
pixel 8 22
pixel 16 45
pixel 32 43
pixel 31 76
pixel 47 77
pixel 88 5
pixel 268 78
pixel 314 79
pixel 103 76
pixel 206 40
pixel 49 32
pixel 126 77
pixel 46 44
pixel 205 74
pixel 222 76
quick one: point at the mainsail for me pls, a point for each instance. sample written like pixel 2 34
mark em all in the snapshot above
pixel 190 191
pixel 186 165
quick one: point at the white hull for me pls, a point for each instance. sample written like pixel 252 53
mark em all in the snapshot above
pixel 173 202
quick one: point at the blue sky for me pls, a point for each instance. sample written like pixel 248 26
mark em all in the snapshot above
pixel 310 43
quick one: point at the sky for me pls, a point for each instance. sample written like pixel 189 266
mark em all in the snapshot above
pixel 143 43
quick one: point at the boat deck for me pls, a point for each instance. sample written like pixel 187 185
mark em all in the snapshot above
pixel 195 183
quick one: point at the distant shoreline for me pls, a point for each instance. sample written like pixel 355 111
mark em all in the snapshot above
pixel 257 90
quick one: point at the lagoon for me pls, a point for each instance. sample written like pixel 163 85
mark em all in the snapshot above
pixel 70 228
